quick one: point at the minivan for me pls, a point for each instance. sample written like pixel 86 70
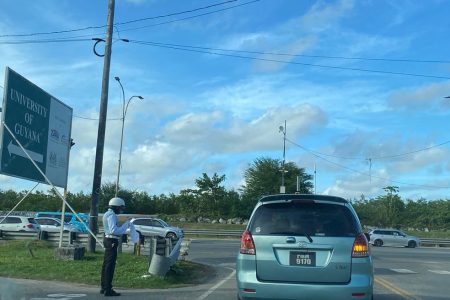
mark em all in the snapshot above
pixel 302 246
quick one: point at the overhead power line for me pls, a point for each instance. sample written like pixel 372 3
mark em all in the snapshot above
pixel 190 17
pixel 96 119
pixel 371 157
pixel 305 55
pixel 175 14
pixel 288 62
pixel 43 41
pixel 370 175
pixel 136 20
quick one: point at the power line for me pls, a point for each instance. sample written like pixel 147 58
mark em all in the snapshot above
pixel 176 13
pixel 303 55
pixel 134 21
pixel 370 175
pixel 373 157
pixel 95 119
pixel 289 62
pixel 44 41
pixel 191 17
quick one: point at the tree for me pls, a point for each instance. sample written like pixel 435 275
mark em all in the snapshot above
pixel 263 177
pixel 211 192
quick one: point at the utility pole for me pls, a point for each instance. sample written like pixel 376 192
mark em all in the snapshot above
pixel 97 182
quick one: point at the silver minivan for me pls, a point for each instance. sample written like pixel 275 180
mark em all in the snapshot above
pixel 157 227
pixel 392 237
pixel 304 247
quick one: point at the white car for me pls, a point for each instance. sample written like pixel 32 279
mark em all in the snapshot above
pixel 54 225
pixel 152 226
pixel 18 223
pixel 392 237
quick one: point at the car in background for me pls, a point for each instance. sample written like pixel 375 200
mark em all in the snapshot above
pixel 304 246
pixel 70 218
pixel 19 223
pixel 392 237
pixel 157 227
pixel 54 225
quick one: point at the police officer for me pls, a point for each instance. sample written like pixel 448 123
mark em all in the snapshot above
pixel 113 233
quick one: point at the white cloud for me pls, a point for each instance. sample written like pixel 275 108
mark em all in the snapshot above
pixel 354 185
pixel 424 96
pixel 295 36
pixel 208 131
pixel 430 158
pixel 323 15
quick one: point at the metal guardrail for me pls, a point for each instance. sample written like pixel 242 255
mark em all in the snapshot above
pixel 82 238
pixel 435 242
pixel 213 232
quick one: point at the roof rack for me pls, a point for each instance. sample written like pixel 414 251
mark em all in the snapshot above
pixel 288 197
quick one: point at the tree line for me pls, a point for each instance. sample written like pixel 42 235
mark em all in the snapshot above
pixel 211 199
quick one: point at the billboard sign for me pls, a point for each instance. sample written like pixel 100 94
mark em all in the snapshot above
pixel 42 124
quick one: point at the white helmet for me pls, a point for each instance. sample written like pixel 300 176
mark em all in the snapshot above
pixel 116 201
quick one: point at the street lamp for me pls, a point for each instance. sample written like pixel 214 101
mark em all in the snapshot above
pixel 283 130
pixel 124 113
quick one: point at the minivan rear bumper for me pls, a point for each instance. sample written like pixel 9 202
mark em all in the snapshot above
pixel 249 287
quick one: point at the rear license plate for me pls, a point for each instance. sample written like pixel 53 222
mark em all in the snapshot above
pixel 306 259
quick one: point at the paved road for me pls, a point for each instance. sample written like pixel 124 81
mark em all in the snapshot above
pixel 400 273
pixel 421 273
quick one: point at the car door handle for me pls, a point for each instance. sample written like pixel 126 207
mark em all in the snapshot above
pixel 290 240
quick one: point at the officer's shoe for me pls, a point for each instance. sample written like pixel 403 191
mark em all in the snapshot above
pixel 111 293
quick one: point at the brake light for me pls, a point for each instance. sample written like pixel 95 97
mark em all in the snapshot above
pixel 360 246
pixel 30 225
pixel 247 244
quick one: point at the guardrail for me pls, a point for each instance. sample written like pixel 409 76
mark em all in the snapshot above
pixel 82 238
pixel 435 242
pixel 213 232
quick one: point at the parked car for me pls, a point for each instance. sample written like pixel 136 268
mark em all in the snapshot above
pixel 392 237
pixel 54 225
pixel 304 247
pixel 18 223
pixel 70 218
pixel 153 226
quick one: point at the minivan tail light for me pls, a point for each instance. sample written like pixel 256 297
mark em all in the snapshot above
pixel 29 225
pixel 247 244
pixel 360 246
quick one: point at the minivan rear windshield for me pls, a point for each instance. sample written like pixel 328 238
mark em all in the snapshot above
pixel 297 218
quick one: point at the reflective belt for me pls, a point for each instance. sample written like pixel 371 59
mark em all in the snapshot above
pixel 110 236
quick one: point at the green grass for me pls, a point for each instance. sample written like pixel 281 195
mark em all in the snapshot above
pixel 36 260
pixel 430 235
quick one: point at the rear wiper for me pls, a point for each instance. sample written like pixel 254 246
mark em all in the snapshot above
pixel 308 237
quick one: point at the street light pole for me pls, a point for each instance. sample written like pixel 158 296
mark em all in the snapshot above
pixel 124 113
pixel 283 130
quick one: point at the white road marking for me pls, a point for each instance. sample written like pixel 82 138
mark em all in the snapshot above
pixel 215 287
pixel 404 271
pixel 441 272
pixel 60 297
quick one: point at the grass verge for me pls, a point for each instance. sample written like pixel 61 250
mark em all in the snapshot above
pixel 35 260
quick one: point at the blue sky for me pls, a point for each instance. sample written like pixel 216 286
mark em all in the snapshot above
pixel 364 82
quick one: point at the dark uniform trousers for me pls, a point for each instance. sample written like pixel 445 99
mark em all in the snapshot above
pixel 109 262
